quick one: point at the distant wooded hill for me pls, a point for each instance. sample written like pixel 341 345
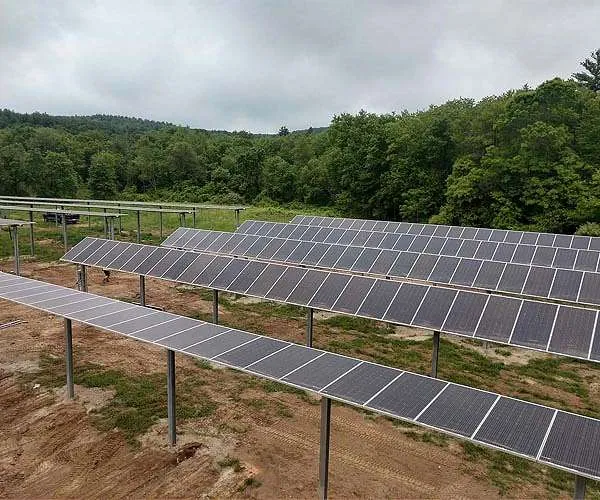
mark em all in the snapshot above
pixel 527 159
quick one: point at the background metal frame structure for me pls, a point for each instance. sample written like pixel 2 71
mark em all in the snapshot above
pixel 109 219
pixel 196 208
pixel 13 228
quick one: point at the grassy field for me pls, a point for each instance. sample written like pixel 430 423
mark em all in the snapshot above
pixel 558 382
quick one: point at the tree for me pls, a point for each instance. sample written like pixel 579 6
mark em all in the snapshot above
pixel 103 175
pixel 283 131
pixel 279 179
pixel 591 77
pixel 16 176
pixel 58 178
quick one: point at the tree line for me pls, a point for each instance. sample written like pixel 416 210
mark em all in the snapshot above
pixel 527 159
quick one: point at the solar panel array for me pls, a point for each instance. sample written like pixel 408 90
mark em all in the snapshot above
pixel 472 233
pixel 537 281
pixel 510 252
pixel 553 437
pixel 554 328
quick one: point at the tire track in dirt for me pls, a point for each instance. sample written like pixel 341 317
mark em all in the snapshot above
pixel 372 435
pixel 307 442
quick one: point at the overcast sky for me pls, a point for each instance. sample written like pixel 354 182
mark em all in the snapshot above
pixel 256 65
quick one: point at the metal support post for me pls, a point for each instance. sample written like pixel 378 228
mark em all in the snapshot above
pixel 182 219
pixel 139 227
pixel 309 327
pixel 15 235
pixel 171 397
pixel 142 290
pixel 194 217
pixel 89 216
pixel 216 307
pixel 120 220
pixel 111 228
pixel 69 357
pixel 160 221
pixel 324 448
pixel 82 278
pixel 579 488
pixel 237 218
pixel 64 230
pixel 435 353
pixel 31 238
pixel 106 229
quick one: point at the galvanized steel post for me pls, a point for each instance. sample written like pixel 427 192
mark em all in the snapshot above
pixel 142 290
pixel 216 307
pixel 139 227
pixel 435 353
pixel 14 230
pixel 324 447
pixel 579 488
pixel 309 327
pixel 69 358
pixel 82 278
pixel 31 238
pixel 64 229
pixel 171 397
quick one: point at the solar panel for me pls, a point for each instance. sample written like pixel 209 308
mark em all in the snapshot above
pixel 539 433
pixel 504 246
pixel 483 234
pixel 500 275
pixel 509 320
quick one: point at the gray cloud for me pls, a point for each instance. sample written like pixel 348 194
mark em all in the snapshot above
pixel 256 65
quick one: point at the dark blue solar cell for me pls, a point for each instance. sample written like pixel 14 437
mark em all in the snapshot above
pixel 419 244
pixel 489 275
pixel 444 269
pixel 523 254
pixel 329 291
pixel 534 324
pixel 405 303
pixel 366 260
pixel 404 242
pixel 403 264
pixel 379 299
pixel 468 248
pixel 466 271
pixel 451 246
pixel 465 313
pixel 486 250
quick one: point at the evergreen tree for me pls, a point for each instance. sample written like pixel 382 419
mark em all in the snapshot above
pixel 591 77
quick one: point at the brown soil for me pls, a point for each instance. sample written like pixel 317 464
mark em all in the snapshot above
pixel 49 445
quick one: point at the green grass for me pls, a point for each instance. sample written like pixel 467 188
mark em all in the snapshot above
pixel 139 401
pixel 249 482
pixel 231 462
pixel 353 323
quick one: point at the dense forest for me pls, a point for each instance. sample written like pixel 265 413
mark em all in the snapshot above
pixel 528 159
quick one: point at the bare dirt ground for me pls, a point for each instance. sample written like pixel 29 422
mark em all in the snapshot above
pixel 49 446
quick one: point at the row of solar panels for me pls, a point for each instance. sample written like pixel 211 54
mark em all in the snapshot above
pixel 539 433
pixel 539 255
pixel 559 329
pixel 472 233
pixel 543 282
